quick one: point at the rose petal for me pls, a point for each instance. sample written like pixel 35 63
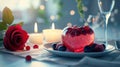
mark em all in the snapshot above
pixel 8 45
pixel 11 29
pixel 15 33
pixel 15 38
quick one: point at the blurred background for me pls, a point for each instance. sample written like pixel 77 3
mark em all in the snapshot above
pixel 62 12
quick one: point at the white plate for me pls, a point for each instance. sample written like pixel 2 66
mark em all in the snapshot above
pixel 48 47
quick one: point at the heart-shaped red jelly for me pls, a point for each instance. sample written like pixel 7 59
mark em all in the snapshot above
pixel 76 38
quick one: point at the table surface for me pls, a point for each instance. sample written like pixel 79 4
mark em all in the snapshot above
pixel 10 60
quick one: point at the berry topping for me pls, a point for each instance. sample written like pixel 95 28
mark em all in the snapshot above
pixel 28 58
pixel 75 32
pixel 54 46
pixel 103 46
pixel 58 45
pixel 83 31
pixel 94 48
pixel 62 48
pixel 27 47
pixel 90 48
pixel 93 45
pixel 35 46
pixel 99 48
pixel 86 27
pixel 69 30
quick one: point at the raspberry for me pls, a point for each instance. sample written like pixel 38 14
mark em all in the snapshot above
pixel 86 27
pixel 35 46
pixel 75 32
pixel 69 29
pixel 90 31
pixel 83 31
pixel 27 47
pixel 28 58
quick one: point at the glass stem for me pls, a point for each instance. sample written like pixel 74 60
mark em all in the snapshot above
pixel 106 16
pixel 106 41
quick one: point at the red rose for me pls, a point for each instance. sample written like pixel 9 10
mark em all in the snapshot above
pixel 15 38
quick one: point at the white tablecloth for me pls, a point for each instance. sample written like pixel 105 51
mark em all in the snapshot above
pixel 110 60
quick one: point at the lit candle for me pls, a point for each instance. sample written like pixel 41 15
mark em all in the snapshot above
pixel 36 38
pixel 35 28
pixel 52 35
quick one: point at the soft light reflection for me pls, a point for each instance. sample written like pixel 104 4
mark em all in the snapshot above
pixel 46 0
pixel 69 24
pixel 52 17
pixel 86 24
pixel 72 12
pixel 110 47
pixel 42 7
pixel 38 64
pixel 19 4
pixel 116 11
pixel 100 3
pixel 35 27
pixel 85 8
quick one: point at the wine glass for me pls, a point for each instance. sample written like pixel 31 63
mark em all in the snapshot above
pixel 106 7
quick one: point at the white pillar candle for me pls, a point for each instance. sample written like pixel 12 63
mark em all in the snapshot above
pixel 52 35
pixel 36 38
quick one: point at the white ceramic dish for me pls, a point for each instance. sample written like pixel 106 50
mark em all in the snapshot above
pixel 109 48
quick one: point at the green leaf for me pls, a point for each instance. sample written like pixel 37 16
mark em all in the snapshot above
pixel 7 16
pixel 3 26
pixel 80 8
pixel 1 39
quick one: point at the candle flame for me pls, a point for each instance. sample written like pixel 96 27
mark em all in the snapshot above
pixel 53 26
pixel 35 28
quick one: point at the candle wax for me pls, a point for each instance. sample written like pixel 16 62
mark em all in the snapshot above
pixel 52 35
pixel 36 38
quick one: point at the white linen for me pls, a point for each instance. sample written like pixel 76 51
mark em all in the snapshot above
pixel 110 60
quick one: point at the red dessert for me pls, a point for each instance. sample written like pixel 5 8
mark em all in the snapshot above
pixel 76 38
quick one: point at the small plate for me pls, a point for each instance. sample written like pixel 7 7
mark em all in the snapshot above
pixel 48 47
